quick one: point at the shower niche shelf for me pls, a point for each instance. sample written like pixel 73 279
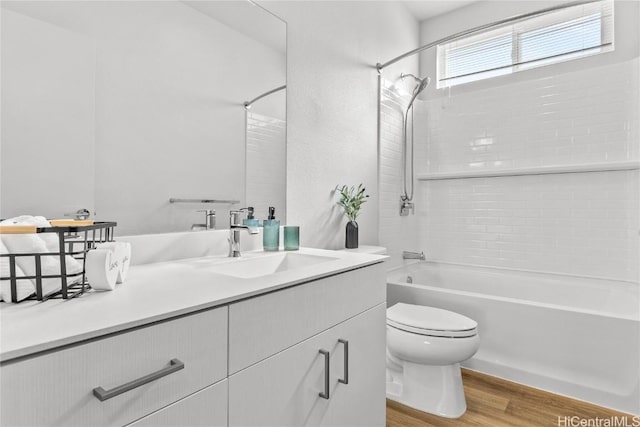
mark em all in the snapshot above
pixel 536 170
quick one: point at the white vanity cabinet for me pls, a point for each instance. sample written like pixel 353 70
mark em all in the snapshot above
pixel 187 354
pixel 288 361
pixel 309 350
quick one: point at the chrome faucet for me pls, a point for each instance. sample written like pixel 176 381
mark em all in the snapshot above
pixel 234 232
pixel 413 255
pixel 209 221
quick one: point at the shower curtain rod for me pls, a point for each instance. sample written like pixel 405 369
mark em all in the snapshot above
pixel 380 66
pixel 247 104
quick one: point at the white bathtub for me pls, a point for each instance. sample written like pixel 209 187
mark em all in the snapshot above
pixel 578 337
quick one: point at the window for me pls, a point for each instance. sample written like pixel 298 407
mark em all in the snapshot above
pixel 557 36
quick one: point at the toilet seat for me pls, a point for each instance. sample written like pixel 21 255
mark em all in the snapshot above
pixel 430 321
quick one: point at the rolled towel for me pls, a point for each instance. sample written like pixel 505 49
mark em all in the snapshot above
pixel 31 243
pixel 102 269
pixel 34 243
pixel 24 287
pixel 50 239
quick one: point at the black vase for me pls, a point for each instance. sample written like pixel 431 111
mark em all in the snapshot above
pixel 351 240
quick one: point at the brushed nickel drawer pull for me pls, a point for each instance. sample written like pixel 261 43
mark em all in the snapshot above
pixel 327 357
pixel 345 380
pixel 102 394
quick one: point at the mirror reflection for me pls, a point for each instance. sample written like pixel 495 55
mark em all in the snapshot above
pixel 119 106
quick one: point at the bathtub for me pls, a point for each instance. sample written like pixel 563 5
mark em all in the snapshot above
pixel 579 337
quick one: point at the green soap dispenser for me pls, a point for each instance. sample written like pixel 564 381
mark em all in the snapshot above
pixel 271 232
pixel 250 220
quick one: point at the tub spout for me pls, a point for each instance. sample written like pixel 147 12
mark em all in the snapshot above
pixel 413 255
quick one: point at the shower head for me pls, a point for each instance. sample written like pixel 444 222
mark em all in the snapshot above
pixel 423 84
pixel 419 88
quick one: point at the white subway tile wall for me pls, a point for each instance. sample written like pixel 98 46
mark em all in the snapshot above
pixel 585 224
pixel 586 116
pixel 582 223
pixel 266 169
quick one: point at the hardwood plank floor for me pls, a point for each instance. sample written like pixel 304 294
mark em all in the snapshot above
pixel 495 402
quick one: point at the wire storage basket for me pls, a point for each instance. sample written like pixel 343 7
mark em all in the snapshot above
pixel 74 241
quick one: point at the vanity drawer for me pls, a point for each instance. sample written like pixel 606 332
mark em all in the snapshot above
pixel 262 326
pixel 206 408
pixel 58 388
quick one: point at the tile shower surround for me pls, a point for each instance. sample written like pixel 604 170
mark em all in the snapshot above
pixel 585 116
pixel 580 223
pixel 266 138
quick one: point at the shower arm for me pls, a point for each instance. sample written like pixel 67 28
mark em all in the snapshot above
pixel 416 78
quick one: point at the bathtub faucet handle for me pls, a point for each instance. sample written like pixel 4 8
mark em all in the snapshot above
pixel 413 255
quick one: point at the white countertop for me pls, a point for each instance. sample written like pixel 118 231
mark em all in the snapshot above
pixel 152 292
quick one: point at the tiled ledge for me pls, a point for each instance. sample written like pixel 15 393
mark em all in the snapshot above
pixel 538 170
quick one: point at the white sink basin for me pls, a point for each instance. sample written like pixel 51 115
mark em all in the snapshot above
pixel 263 265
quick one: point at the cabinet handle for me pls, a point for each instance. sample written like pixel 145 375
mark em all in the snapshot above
pixel 345 380
pixel 102 394
pixel 327 357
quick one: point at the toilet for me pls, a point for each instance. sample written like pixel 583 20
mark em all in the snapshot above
pixel 425 346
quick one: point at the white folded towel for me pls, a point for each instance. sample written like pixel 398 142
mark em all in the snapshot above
pixel 50 239
pixel 40 243
pixel 24 287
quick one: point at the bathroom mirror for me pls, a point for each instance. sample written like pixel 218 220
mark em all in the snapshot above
pixel 120 106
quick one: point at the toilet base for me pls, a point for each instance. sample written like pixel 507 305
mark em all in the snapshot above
pixel 437 390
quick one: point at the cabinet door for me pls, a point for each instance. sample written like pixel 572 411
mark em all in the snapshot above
pixel 284 390
pixel 362 401
pixel 207 407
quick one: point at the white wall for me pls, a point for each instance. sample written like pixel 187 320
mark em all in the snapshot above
pixel 332 108
pixel 170 82
pixel 577 112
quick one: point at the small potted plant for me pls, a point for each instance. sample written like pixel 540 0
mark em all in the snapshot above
pixel 351 200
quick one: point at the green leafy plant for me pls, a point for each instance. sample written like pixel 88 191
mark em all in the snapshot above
pixel 351 200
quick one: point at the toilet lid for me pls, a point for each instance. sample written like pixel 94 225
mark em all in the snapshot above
pixel 431 321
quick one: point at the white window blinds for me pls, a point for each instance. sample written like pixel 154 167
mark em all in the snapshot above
pixel 557 36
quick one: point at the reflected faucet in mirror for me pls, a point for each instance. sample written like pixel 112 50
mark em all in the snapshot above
pixel 234 232
pixel 209 221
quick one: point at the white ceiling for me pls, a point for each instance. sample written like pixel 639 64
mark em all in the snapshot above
pixel 425 9
pixel 247 18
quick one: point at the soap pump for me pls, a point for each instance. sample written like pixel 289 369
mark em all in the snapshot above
pixel 271 233
pixel 250 220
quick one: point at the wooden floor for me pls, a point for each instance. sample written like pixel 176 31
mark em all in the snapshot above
pixel 496 402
